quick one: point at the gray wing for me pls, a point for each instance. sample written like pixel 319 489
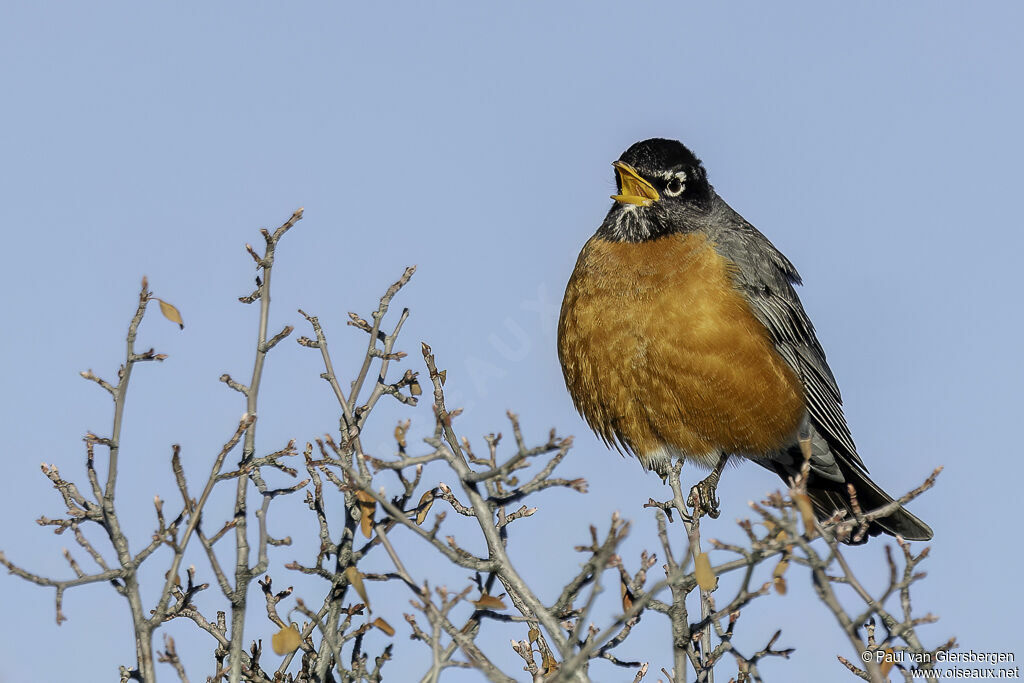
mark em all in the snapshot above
pixel 767 277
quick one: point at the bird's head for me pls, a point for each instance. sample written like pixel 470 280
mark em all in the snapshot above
pixel 662 187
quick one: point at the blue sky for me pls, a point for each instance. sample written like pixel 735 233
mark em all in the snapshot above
pixel 877 144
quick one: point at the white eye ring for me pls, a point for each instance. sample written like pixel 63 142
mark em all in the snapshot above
pixel 676 185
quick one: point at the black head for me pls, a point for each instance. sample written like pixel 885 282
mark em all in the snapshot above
pixel 661 184
pixel 658 155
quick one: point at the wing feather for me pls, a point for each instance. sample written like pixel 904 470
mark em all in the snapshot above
pixel 768 283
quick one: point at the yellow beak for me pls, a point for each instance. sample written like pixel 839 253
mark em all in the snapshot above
pixel 635 190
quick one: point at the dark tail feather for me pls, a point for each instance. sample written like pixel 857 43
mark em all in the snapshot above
pixel 828 496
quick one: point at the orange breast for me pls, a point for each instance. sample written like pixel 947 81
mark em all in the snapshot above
pixel 660 350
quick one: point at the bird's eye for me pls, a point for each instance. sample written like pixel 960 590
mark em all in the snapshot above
pixel 674 188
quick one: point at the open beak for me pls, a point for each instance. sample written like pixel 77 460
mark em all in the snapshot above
pixel 635 190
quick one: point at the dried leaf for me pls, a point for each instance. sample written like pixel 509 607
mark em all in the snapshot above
pixel 702 570
pixel 489 602
pixel 887 662
pixel 384 626
pixel 426 501
pixel 400 431
pixel 774 530
pixel 415 389
pixel 803 503
pixel 286 640
pixel 805 448
pixel 549 663
pixel 533 635
pixel 171 313
pixel 780 568
pixel 367 506
pixel 778 579
pixel 443 374
pixel 355 579
pixel 627 599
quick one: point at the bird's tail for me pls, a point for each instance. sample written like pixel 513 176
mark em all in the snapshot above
pixel 828 496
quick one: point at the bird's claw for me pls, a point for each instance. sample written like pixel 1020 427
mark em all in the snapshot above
pixel 703 499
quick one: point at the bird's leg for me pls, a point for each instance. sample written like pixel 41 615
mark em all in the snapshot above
pixel 702 496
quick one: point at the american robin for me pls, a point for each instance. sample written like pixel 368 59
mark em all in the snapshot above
pixel 681 336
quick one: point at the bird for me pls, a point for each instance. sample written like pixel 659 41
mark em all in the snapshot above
pixel 681 336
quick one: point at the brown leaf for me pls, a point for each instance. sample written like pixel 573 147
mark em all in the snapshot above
pixel 774 530
pixel 367 505
pixel 702 570
pixel 384 626
pixel 400 431
pixel 780 568
pixel 286 640
pixel 805 448
pixel 171 313
pixel 355 579
pixel 426 501
pixel 415 389
pixel 627 599
pixel 533 635
pixel 549 663
pixel 803 503
pixel 443 374
pixel 887 662
pixel 489 602
pixel 777 576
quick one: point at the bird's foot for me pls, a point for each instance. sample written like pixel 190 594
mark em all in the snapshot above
pixel 703 499
pixel 702 496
